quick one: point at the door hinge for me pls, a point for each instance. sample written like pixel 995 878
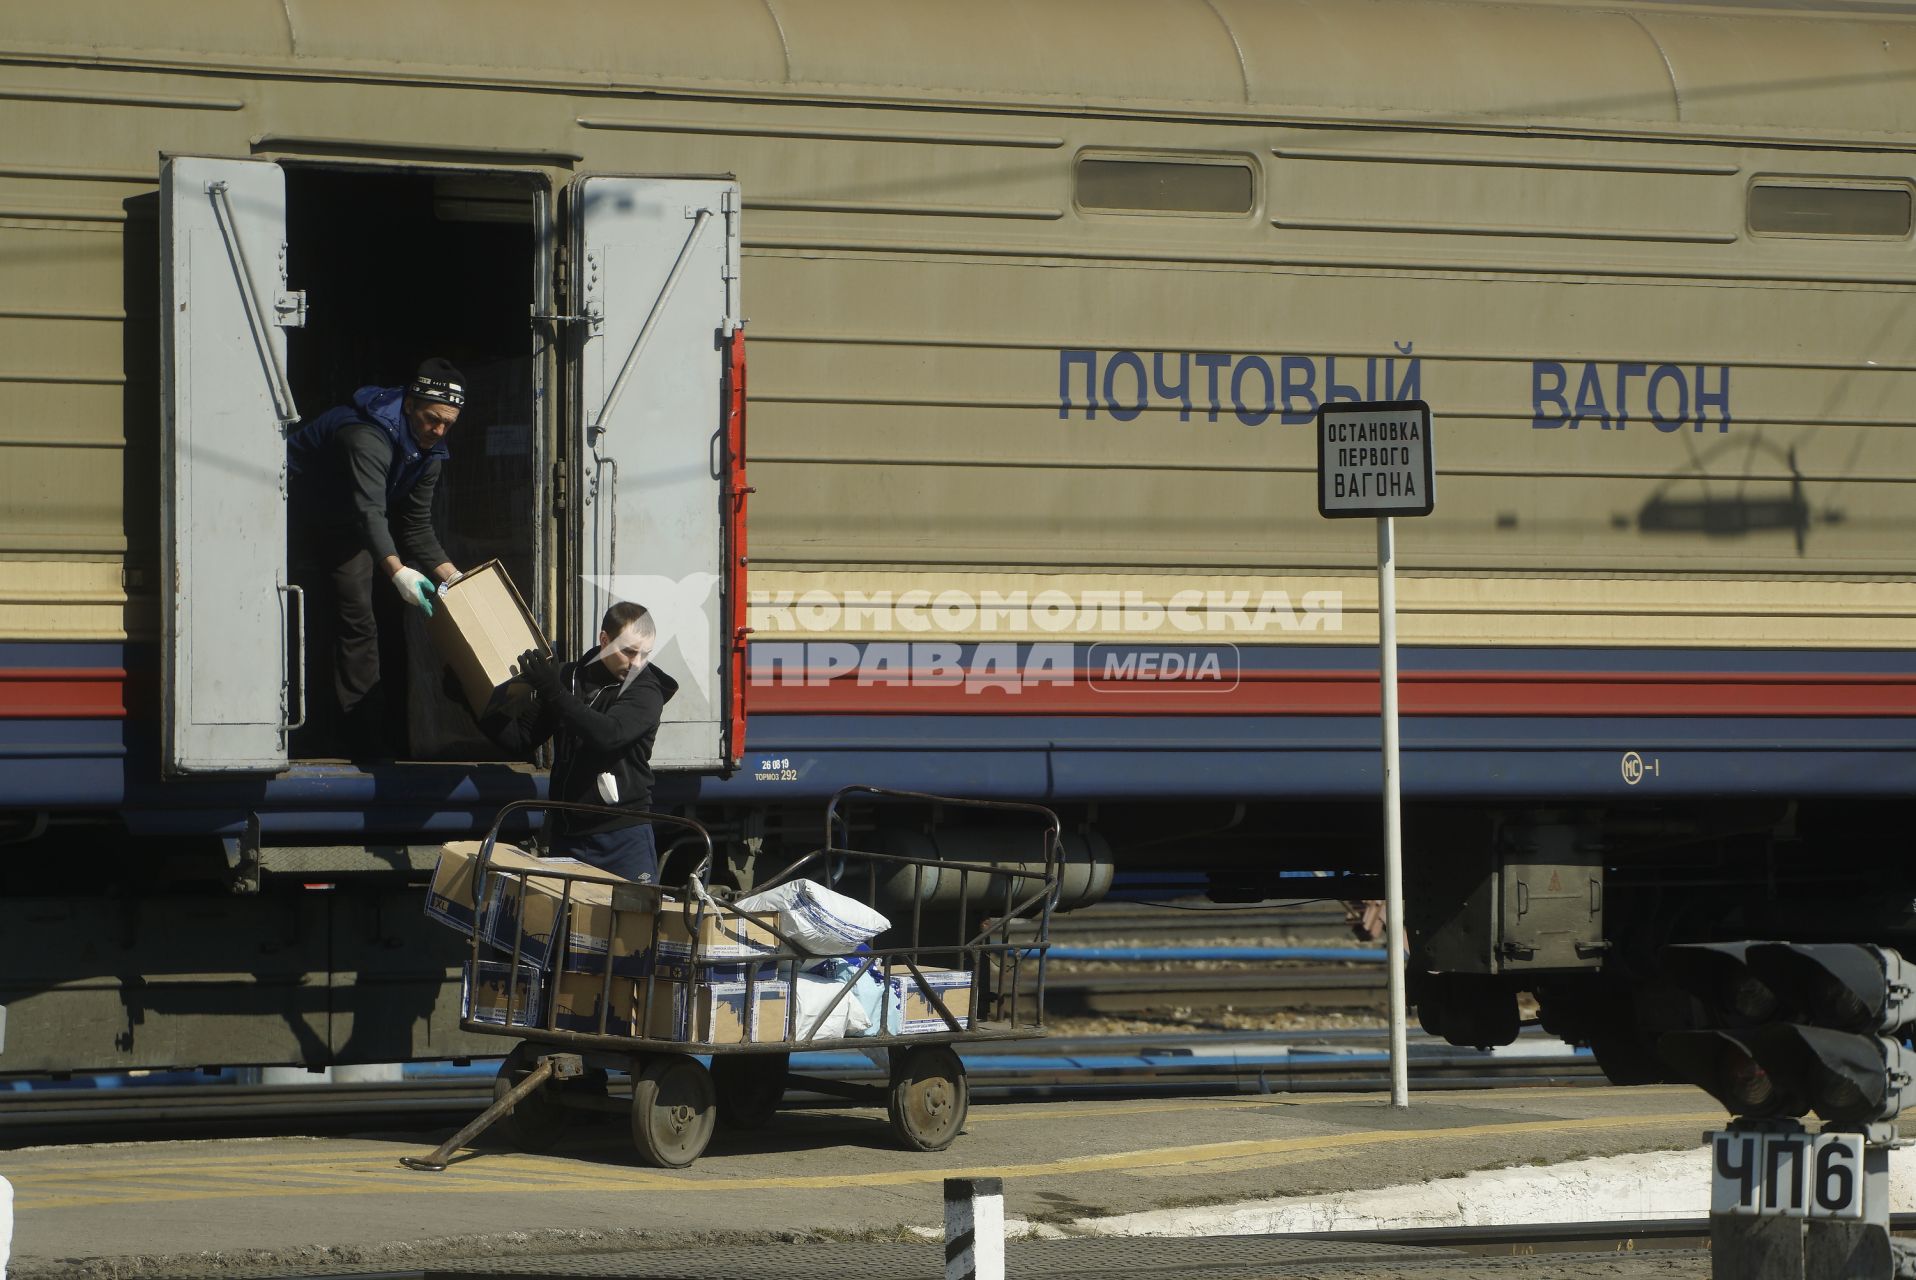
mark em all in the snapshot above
pixel 561 291
pixel 289 309
pixel 559 493
pixel 563 317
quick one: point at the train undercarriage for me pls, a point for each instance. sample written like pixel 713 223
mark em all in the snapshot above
pixel 121 953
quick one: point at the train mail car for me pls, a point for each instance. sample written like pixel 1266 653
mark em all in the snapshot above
pixel 1041 298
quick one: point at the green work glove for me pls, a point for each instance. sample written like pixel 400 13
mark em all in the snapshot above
pixel 414 588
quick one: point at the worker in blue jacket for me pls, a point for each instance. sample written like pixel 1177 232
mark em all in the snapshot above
pixel 604 712
pixel 361 479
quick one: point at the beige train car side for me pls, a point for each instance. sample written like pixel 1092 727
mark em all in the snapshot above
pixel 1479 191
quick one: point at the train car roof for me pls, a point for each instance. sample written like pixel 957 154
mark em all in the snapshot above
pixel 1826 70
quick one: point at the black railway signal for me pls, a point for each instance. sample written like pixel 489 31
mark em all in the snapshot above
pixel 1796 1027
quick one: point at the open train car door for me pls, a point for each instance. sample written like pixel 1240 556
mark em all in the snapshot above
pixel 655 285
pixel 225 404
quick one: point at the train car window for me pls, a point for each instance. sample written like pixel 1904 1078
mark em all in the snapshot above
pixel 1802 209
pixel 1221 186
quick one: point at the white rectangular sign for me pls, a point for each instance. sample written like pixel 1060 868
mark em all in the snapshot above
pixel 1374 459
pixel 1786 1175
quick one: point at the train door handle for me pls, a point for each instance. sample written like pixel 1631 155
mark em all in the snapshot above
pixel 296 660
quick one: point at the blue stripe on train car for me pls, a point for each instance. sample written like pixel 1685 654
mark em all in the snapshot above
pixel 1325 757
pixel 111 763
pixel 79 764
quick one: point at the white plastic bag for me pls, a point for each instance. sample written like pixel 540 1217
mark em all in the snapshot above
pixel 814 992
pixel 822 921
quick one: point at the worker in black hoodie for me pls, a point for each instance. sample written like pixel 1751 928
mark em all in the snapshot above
pixel 604 710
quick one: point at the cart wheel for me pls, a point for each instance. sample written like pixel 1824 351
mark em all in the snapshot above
pixel 929 1096
pixel 539 1120
pixel 750 1087
pixel 674 1110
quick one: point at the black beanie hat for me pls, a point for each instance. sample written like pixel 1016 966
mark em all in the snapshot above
pixel 438 380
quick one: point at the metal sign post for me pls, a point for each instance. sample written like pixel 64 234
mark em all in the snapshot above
pixel 1393 823
pixel 1374 459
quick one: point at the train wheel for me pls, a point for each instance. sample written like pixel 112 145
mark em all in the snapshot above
pixel 1624 1027
pixel 1467 1010
pixel 538 1121
pixel 674 1110
pixel 1625 1056
pixel 929 1096
pixel 750 1086
pixel 1494 1020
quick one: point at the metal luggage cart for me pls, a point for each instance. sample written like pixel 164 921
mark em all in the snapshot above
pixel 579 1014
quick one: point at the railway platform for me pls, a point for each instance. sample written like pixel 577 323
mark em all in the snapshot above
pixel 279 1206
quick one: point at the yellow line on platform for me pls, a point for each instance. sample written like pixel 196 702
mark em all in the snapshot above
pixel 1022 1113
pixel 91 1165
pixel 361 1176
pixel 1156 1158
pixel 387 1180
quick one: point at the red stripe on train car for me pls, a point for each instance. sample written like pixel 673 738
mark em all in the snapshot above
pixel 75 693
pixel 1428 693
pixel 63 693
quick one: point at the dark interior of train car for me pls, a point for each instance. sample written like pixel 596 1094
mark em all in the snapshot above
pixel 399 266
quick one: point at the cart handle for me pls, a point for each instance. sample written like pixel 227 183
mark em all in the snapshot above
pixel 703 870
pixel 481 878
pixel 1053 843
pixel 1054 840
pixel 1050 880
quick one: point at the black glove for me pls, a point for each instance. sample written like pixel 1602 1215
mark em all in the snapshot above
pixel 538 671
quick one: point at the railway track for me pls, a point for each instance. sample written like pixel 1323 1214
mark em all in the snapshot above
pixel 1060 1067
pixel 1443 1253
pixel 1244 988
pixel 1532 1238
pixel 1136 988
pixel 1312 922
pixel 1135 982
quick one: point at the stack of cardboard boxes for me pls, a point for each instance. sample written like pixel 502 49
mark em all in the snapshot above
pixel 609 956
pixel 612 957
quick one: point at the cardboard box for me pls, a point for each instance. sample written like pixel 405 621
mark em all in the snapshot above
pixel 716 1013
pixel 623 923
pixel 604 904
pixel 480 625
pixel 579 997
pixel 608 915
pixel 451 898
pixel 484 995
pixel 910 1013
pixel 689 933
pixel 681 1011
pixel 613 920
pixel 640 926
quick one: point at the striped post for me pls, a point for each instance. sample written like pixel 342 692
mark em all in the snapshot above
pixel 974 1229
